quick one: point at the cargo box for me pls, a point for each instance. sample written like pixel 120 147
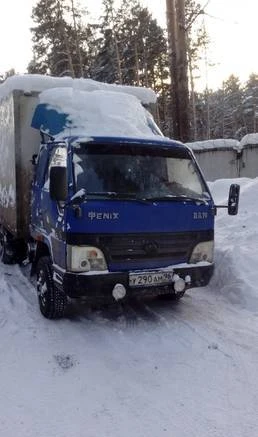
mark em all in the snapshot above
pixel 18 142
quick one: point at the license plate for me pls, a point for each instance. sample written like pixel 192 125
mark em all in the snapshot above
pixel 150 279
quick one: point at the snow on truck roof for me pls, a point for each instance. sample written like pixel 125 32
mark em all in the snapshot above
pixel 98 112
pixel 85 107
pixel 38 83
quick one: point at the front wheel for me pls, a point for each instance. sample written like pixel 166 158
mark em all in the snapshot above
pixel 52 301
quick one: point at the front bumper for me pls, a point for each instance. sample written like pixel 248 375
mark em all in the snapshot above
pixel 101 285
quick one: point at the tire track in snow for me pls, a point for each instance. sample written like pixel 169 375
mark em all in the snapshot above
pixel 129 314
pixel 148 314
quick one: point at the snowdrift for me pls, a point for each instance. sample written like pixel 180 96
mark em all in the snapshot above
pixel 236 243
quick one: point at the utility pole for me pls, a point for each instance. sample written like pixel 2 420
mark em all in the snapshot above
pixel 178 68
pixel 172 37
pixel 183 92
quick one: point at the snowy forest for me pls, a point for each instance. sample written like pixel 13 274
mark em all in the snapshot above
pixel 126 45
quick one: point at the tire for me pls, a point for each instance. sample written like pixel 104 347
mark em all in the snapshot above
pixel 52 301
pixel 6 254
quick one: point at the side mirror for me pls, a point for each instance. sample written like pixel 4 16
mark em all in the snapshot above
pixel 233 199
pixel 58 184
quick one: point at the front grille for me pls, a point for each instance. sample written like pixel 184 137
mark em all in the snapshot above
pixel 176 247
pixel 143 249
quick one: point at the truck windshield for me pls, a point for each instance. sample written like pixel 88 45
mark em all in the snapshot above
pixel 140 172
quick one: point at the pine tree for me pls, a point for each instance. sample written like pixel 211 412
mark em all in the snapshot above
pixel 131 45
pixel 250 104
pixel 107 64
pixel 232 107
pixel 145 49
pixel 60 40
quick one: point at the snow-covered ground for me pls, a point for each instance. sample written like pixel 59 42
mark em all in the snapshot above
pixel 147 370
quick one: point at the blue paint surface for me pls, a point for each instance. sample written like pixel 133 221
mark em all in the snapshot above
pixel 49 120
pixel 108 216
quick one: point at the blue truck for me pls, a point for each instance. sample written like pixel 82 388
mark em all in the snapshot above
pixel 101 217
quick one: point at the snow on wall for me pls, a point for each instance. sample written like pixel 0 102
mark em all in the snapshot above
pixel 37 82
pixel 249 139
pixel 227 158
pixel 100 113
pixel 249 158
pixel 217 144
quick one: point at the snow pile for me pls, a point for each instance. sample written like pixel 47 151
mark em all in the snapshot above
pixel 100 113
pixel 236 242
pixel 213 145
pixel 155 369
pixel 37 82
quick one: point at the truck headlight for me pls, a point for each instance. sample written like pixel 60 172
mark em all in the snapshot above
pixel 202 252
pixel 85 259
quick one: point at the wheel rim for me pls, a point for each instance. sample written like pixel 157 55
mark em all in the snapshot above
pixel 42 288
pixel 2 243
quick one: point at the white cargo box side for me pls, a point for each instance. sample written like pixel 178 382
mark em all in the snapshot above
pixel 18 143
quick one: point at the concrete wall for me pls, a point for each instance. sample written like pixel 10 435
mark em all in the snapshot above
pixel 218 164
pixel 249 159
pixel 221 159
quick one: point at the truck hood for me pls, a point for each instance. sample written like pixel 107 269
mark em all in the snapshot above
pixel 113 217
pixel 125 231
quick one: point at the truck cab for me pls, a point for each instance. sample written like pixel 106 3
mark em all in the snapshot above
pixel 120 217
pixel 112 209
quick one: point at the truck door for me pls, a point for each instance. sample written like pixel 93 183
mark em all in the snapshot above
pixel 39 180
pixel 49 215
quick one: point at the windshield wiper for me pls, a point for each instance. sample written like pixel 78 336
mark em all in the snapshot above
pixel 176 198
pixel 82 195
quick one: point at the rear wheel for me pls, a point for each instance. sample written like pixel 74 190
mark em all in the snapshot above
pixel 6 252
pixel 52 301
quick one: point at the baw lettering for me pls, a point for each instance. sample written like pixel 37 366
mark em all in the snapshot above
pixel 200 215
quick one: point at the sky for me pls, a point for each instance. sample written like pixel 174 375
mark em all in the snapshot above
pixel 231 26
